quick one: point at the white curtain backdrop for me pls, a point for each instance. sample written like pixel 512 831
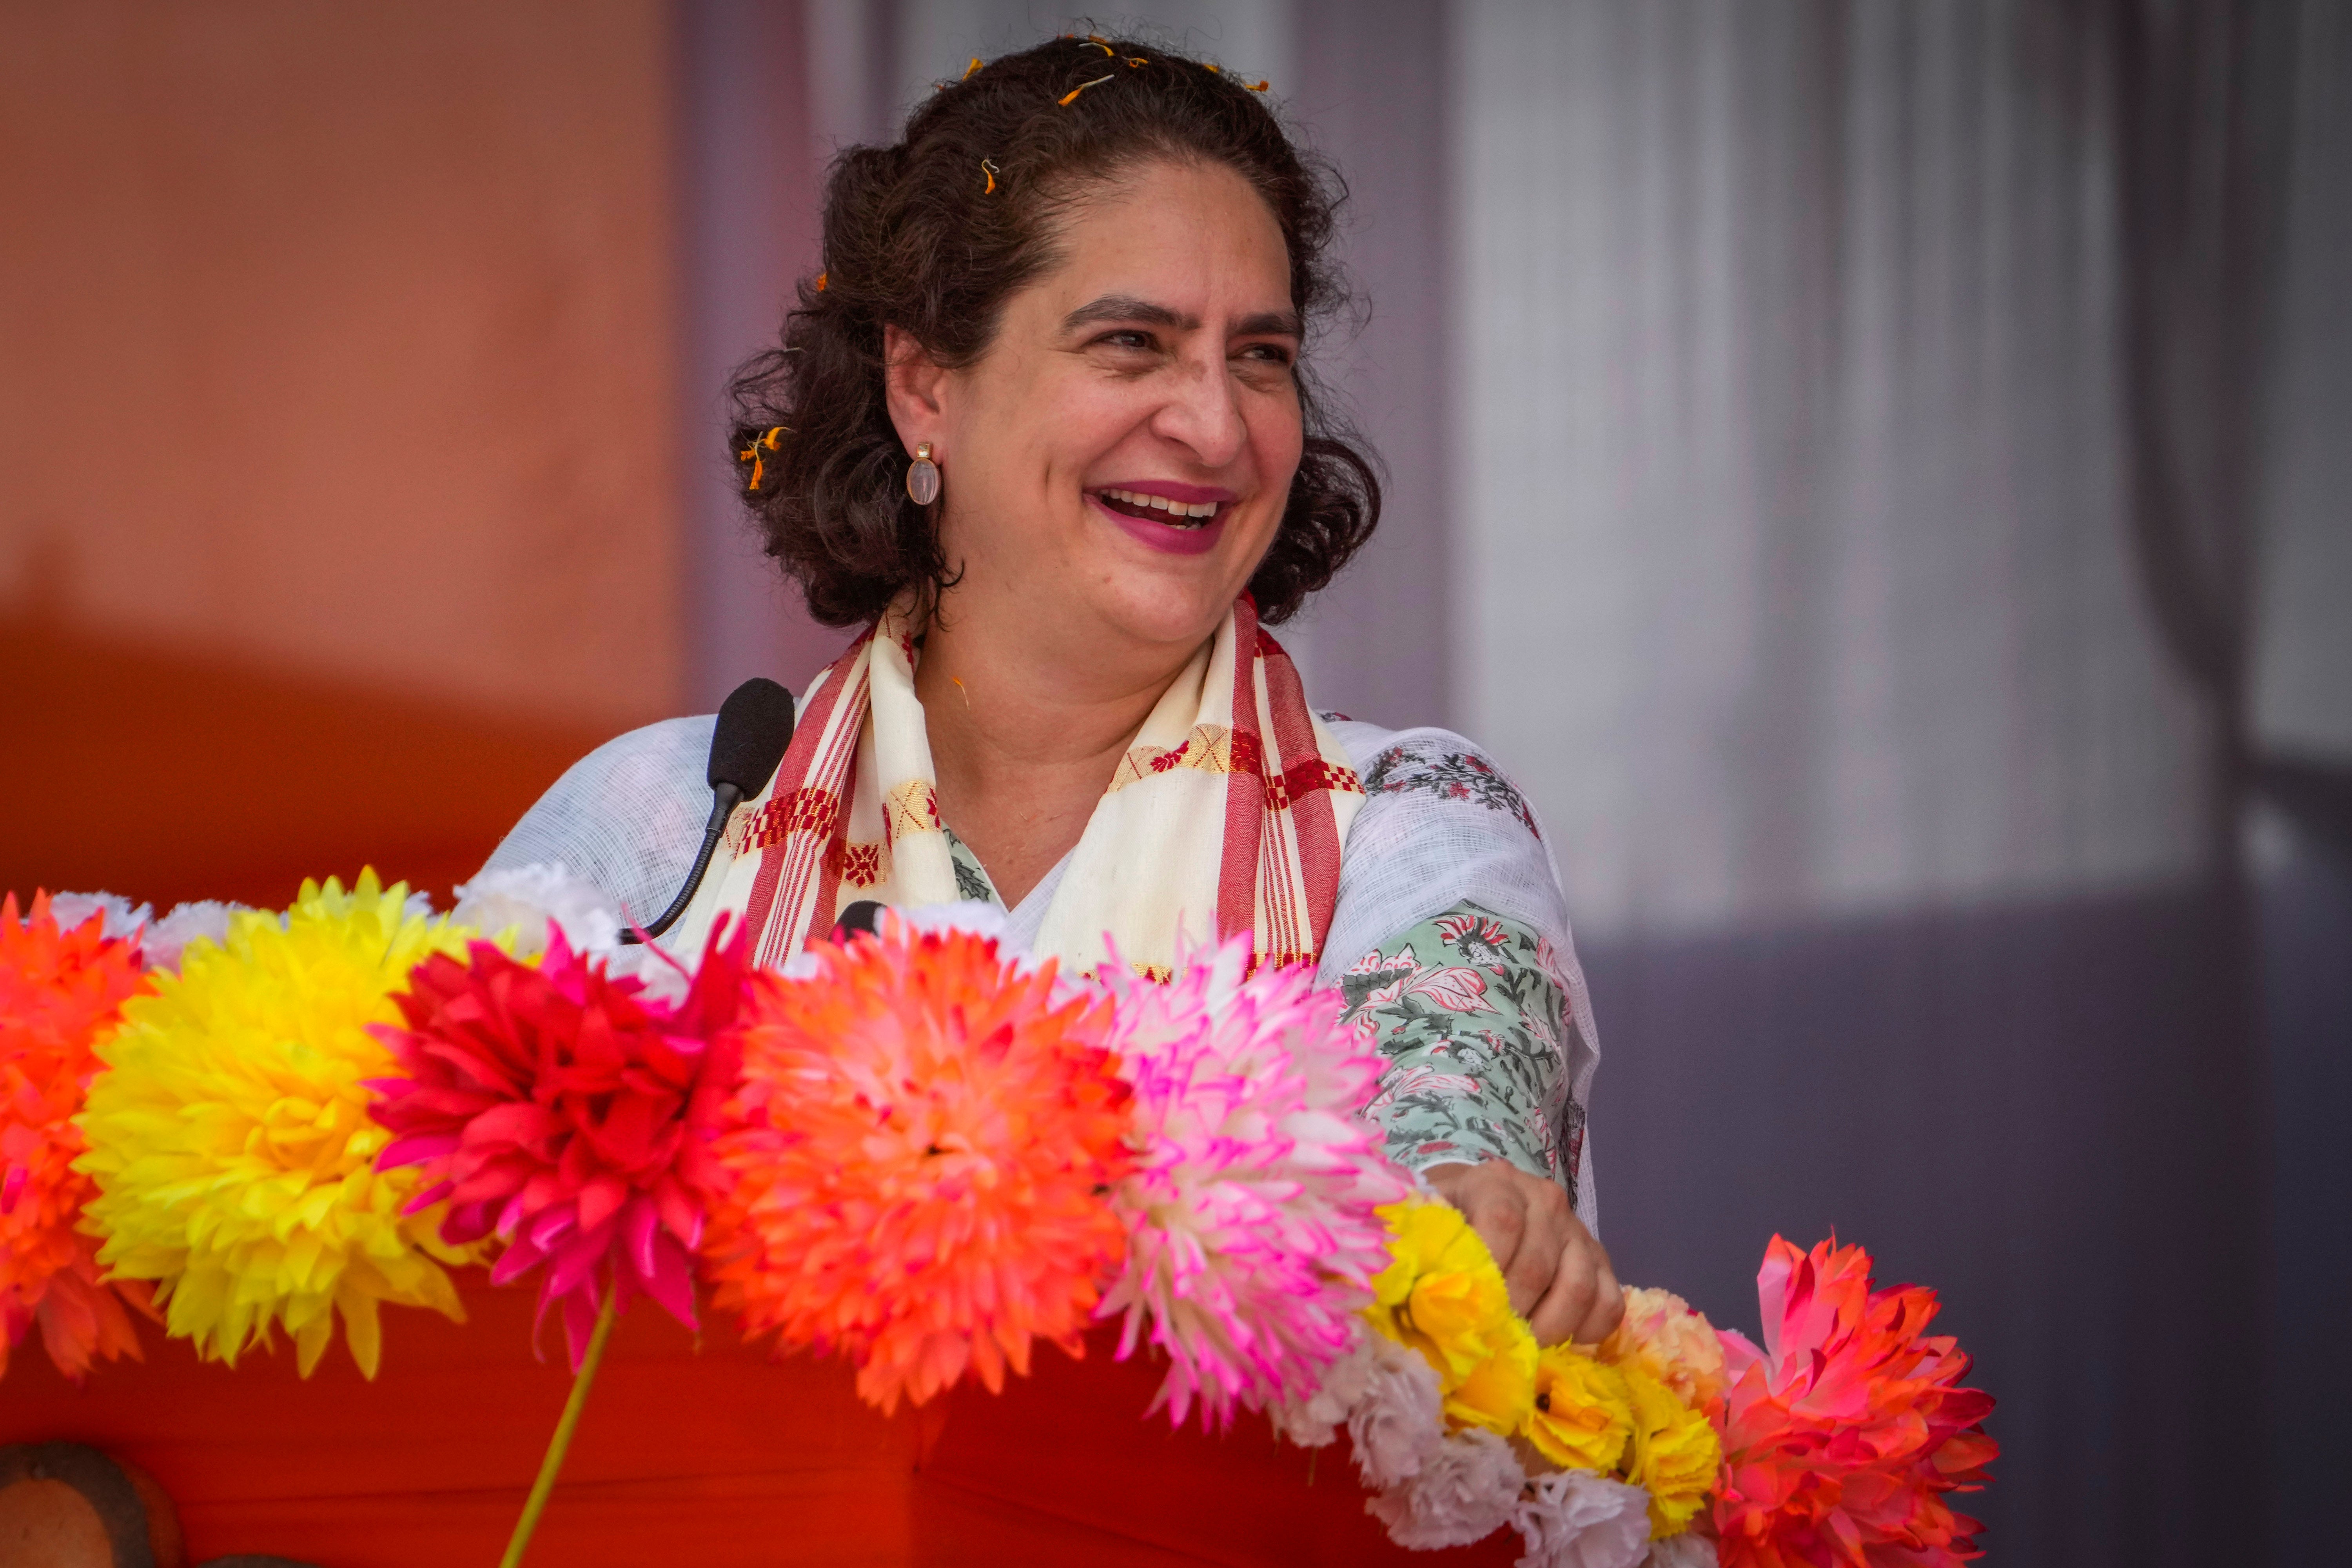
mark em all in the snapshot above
pixel 1797 582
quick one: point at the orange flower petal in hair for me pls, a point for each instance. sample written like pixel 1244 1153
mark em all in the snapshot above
pixel 751 454
pixel 918 1159
pixel 59 991
pixel 1842 1435
pixel 1071 97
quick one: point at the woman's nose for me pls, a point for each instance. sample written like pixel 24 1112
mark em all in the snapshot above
pixel 1204 414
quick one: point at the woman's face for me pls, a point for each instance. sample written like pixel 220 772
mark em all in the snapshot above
pixel 1118 460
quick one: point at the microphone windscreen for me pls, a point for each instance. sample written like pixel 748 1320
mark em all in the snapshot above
pixel 755 725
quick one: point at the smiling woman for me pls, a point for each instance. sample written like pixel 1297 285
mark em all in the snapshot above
pixel 1044 430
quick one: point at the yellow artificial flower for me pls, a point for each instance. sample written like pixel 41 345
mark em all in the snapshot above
pixel 1499 1392
pixel 230 1139
pixel 1443 1295
pixel 1582 1415
pixel 1674 1456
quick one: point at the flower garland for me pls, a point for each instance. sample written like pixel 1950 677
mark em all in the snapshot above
pixel 1669 1443
pixel 925 1152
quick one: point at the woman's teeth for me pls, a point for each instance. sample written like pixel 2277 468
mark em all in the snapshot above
pixel 1175 513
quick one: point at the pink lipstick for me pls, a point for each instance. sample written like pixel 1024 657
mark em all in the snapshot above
pixel 1179 518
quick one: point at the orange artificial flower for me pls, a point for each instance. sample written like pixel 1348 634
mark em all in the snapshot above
pixel 918 1161
pixel 59 991
pixel 1842 1436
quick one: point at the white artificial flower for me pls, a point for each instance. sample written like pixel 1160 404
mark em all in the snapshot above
pixel 122 918
pixel 1688 1550
pixel 1575 1519
pixel 802 965
pixel 664 979
pixel 989 922
pixel 972 915
pixel 1398 1423
pixel 1316 1422
pixel 528 900
pixel 166 941
pixel 1463 1492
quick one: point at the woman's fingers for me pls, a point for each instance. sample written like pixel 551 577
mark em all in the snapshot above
pixel 1545 1229
pixel 1501 1217
pixel 1565 1305
pixel 1585 1301
pixel 1608 1308
pixel 1557 1274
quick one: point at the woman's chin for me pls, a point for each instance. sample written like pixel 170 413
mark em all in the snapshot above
pixel 1162 584
pixel 1152 611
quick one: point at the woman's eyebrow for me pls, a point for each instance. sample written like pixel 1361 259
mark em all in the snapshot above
pixel 1269 323
pixel 1127 307
pixel 1143 312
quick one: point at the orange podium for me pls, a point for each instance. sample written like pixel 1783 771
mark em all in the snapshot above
pixel 710 1452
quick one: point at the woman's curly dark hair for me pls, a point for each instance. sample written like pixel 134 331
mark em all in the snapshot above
pixel 914 238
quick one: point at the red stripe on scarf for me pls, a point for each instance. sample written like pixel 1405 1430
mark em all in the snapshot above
pixel 807 845
pixel 793 778
pixel 1237 868
pixel 1310 807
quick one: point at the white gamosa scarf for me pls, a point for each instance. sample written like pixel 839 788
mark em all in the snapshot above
pixel 1226 814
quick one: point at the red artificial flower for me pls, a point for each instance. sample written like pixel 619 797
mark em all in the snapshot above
pixel 59 991
pixel 1842 1435
pixel 568 1111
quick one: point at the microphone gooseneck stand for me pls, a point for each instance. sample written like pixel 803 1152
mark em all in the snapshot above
pixel 755 725
pixel 724 799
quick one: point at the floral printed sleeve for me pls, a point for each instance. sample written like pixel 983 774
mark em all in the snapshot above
pixel 1472 1012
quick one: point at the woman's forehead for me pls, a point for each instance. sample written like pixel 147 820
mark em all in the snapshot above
pixel 1177 246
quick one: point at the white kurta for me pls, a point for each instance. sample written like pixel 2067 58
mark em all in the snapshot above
pixel 629 815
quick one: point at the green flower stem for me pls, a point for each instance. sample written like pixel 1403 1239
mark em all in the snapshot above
pixel 536 1504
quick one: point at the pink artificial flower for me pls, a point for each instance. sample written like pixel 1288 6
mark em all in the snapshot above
pixel 1252 1230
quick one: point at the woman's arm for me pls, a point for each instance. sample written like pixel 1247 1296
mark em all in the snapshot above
pixel 1471 1014
pixel 627 817
pixel 1474 996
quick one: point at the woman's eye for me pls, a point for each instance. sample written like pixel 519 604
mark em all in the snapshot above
pixel 1267 353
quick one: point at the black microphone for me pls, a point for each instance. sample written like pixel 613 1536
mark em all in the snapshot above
pixel 755 725
pixel 863 917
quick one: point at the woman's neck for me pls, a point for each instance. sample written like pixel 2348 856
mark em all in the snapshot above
pixel 1025 739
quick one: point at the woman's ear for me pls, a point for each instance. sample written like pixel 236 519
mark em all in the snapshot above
pixel 911 380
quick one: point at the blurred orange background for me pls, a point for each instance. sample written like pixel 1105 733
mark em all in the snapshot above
pixel 342 505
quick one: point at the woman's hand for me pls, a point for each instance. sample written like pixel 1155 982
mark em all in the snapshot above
pixel 1558 1275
